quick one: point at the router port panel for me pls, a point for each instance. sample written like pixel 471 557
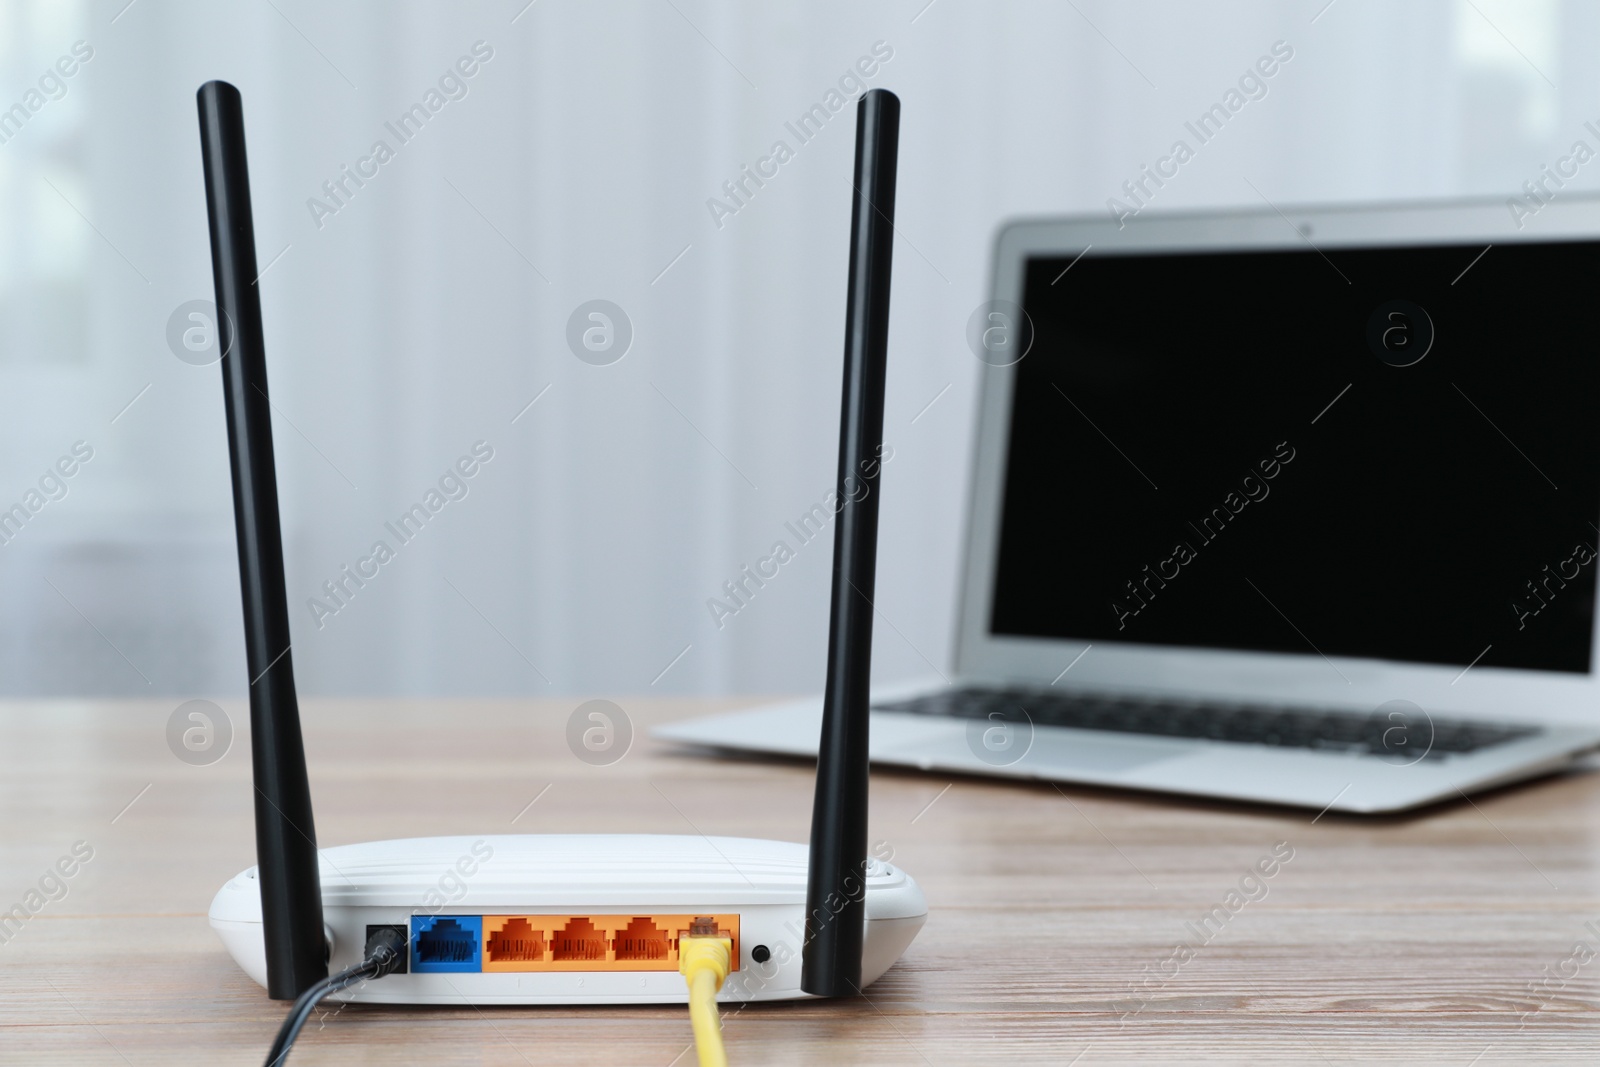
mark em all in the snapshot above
pixel 621 942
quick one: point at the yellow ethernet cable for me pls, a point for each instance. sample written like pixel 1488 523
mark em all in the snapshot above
pixel 704 960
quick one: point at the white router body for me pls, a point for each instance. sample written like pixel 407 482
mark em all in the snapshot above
pixel 611 880
pixel 556 919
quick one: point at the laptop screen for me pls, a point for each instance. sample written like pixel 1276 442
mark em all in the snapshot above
pixel 1386 453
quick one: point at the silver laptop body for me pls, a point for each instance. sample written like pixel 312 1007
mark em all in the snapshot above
pixel 1365 642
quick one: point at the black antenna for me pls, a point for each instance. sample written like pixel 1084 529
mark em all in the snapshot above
pixel 836 886
pixel 286 844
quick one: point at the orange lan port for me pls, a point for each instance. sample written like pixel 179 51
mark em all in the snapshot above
pixel 514 942
pixel 642 941
pixel 578 942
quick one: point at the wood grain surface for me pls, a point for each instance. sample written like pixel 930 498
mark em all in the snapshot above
pixel 1066 925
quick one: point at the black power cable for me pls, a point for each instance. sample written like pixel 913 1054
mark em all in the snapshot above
pixel 385 952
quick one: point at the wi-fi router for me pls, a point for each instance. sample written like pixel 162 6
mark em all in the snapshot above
pixel 557 919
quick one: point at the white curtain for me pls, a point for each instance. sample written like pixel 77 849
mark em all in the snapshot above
pixel 582 160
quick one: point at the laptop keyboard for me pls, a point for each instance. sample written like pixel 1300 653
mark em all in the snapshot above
pixel 1388 734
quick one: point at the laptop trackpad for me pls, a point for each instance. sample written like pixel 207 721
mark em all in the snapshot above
pixel 1053 749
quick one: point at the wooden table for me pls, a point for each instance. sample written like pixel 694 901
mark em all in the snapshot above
pixel 1051 938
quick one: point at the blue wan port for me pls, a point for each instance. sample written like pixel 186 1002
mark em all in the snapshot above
pixel 446 944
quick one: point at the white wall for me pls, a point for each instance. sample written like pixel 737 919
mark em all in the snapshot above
pixel 408 327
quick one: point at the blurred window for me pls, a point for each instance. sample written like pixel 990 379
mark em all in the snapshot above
pixel 44 245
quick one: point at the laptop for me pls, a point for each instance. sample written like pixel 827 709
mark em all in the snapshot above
pixel 1289 506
